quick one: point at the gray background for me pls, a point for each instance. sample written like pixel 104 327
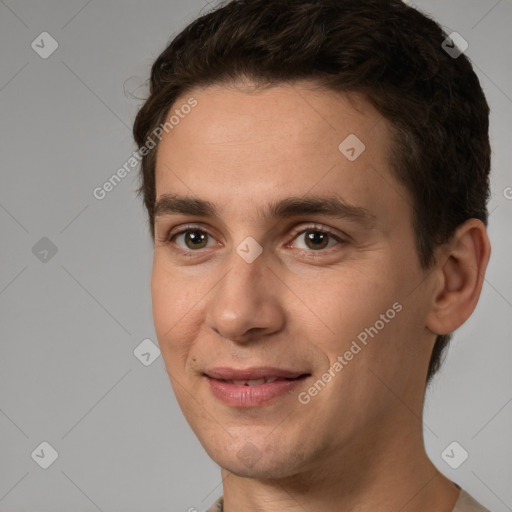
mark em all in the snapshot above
pixel 70 323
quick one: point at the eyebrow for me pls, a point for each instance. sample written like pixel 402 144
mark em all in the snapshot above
pixel 294 206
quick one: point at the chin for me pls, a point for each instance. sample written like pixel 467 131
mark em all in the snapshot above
pixel 261 470
pixel 244 459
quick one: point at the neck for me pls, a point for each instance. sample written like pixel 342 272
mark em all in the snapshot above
pixel 378 471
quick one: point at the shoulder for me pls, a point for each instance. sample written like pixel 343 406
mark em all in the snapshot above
pixel 218 506
pixel 466 503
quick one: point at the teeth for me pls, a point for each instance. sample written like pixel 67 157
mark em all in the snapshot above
pixel 254 382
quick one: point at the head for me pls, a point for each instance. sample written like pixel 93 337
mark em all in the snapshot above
pixel 283 112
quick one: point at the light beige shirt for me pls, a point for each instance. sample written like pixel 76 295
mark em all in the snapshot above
pixel 465 503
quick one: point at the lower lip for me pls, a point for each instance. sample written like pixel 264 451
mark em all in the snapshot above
pixel 236 395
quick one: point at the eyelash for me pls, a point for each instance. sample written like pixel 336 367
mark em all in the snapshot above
pixel 313 227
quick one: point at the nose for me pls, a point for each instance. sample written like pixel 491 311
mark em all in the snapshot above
pixel 246 303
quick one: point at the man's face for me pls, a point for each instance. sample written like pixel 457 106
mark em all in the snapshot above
pixel 329 304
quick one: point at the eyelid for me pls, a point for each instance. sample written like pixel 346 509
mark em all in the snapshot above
pixel 321 228
pixel 182 228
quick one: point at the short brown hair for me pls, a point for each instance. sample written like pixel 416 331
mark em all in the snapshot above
pixel 384 49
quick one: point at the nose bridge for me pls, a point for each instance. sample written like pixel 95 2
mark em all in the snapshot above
pixel 243 300
pixel 240 287
pixel 247 265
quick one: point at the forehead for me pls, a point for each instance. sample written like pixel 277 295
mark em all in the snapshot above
pixel 239 146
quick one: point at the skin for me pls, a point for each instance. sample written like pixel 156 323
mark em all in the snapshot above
pixel 357 445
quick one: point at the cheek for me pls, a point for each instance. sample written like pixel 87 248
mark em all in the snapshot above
pixel 371 316
pixel 175 312
pixel 355 302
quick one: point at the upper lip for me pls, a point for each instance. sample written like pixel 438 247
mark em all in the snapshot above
pixel 254 373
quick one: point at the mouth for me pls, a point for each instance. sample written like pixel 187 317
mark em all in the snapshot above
pixel 252 387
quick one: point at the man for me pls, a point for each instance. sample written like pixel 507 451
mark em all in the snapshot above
pixel 316 178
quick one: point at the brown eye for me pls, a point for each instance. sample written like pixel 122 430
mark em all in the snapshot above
pixel 316 239
pixel 192 239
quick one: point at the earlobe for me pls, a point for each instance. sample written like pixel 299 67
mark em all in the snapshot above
pixel 462 274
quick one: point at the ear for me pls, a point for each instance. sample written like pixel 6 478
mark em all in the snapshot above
pixel 462 270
